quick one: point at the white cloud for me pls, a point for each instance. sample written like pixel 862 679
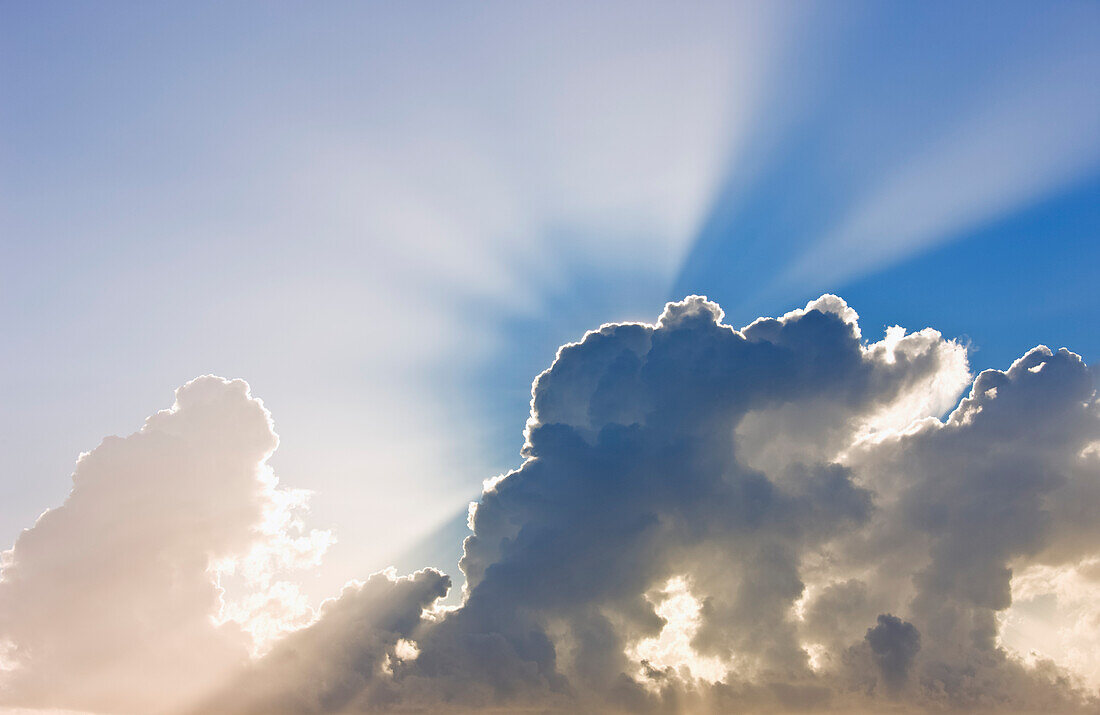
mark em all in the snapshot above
pixel 109 601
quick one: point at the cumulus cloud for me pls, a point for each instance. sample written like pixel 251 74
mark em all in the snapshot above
pixel 111 602
pixel 779 518
pixel 773 518
pixel 894 644
pixel 346 658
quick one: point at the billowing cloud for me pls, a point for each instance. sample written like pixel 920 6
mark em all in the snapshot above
pixel 772 518
pixel 365 631
pixel 111 602
pixel 894 643
pixel 776 518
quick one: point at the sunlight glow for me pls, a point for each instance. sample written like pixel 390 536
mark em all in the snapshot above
pixel 672 648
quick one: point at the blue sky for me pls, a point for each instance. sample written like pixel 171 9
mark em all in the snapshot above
pixel 386 218
pixel 984 98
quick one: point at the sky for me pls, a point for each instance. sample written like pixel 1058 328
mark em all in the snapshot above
pixel 388 218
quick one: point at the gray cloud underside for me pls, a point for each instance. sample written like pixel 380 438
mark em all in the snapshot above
pixel 803 484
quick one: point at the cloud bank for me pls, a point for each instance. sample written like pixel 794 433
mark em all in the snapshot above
pixel 777 518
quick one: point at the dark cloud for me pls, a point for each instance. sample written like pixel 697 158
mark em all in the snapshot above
pixel 797 482
pixel 894 644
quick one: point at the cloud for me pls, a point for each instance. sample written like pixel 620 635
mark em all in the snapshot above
pixel 364 632
pixel 710 518
pixel 894 644
pixel 111 601
pixel 778 518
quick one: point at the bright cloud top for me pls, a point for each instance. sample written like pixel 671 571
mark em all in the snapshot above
pixel 707 519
